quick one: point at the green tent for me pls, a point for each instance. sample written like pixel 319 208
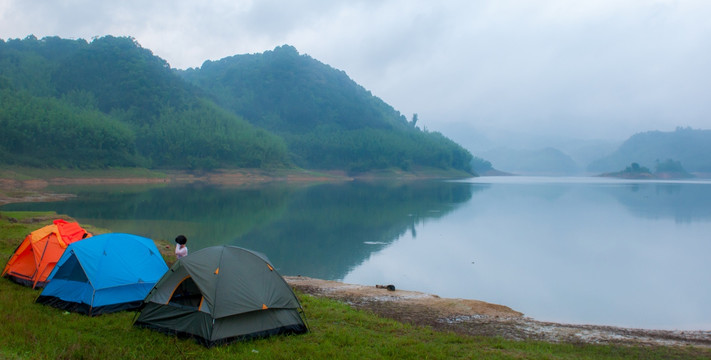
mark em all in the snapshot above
pixel 222 294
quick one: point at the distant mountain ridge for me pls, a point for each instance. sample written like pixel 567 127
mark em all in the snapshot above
pixel 278 108
pixel 687 148
pixel 690 147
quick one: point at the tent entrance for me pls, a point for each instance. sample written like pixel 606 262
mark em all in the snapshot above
pixel 186 294
pixel 72 270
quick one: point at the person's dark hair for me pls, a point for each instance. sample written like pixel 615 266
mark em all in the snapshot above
pixel 181 239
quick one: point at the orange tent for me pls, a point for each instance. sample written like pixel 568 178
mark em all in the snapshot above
pixel 36 256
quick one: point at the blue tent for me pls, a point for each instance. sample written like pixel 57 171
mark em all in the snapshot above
pixel 103 274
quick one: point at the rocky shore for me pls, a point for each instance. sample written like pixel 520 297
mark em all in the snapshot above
pixel 472 317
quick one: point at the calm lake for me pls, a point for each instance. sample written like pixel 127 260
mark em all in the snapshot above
pixel 570 250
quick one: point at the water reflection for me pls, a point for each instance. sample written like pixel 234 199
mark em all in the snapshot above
pixel 331 228
pixel 593 251
pixel 683 202
pixel 321 230
pixel 207 215
pixel 566 251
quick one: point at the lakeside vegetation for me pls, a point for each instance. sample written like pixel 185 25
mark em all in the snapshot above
pixel 34 331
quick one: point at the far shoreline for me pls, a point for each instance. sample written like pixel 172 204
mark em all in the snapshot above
pixel 18 184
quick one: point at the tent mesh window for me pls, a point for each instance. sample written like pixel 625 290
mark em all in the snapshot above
pixel 72 270
pixel 186 294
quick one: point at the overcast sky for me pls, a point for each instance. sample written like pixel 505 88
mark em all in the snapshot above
pixel 576 68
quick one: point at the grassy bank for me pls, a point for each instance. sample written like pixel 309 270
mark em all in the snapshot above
pixel 33 331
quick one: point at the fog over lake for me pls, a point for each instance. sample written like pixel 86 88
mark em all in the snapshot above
pixel 571 250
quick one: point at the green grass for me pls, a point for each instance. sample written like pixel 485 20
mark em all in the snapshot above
pixel 33 331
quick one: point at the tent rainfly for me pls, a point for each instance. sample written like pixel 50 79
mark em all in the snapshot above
pixel 35 257
pixel 222 294
pixel 105 273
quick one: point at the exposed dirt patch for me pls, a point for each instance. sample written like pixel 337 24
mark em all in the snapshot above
pixel 472 317
pixel 34 190
pixel 30 193
pixel 253 176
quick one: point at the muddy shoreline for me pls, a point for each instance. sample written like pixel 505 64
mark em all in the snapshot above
pixel 34 190
pixel 463 316
pixel 473 317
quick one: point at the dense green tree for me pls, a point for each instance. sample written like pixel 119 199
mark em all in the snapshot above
pixel 205 136
pixel 49 132
pixel 113 89
pixel 122 75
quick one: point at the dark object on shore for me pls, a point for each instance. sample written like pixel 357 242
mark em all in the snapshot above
pixel 389 287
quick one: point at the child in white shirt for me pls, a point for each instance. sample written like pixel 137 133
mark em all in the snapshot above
pixel 180 249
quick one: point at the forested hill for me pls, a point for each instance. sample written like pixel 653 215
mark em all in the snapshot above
pixel 110 102
pixel 689 147
pixel 326 119
pixel 286 92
